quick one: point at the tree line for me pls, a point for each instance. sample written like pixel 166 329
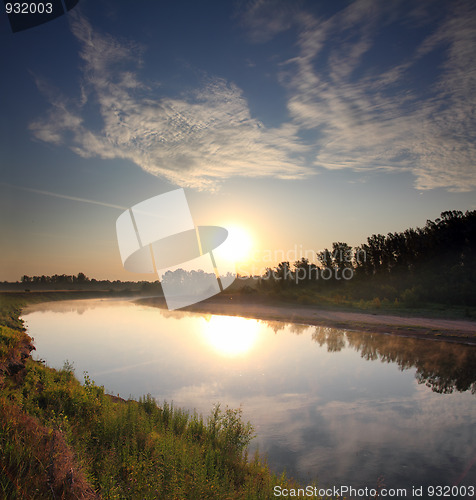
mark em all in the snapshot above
pixel 80 282
pixel 436 263
pixel 57 279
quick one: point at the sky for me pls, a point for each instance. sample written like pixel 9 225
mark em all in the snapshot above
pixel 299 122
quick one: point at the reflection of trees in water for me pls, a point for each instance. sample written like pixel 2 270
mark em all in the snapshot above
pixel 297 328
pixel 276 326
pixel 334 339
pixel 442 366
pixel 78 306
pixel 179 314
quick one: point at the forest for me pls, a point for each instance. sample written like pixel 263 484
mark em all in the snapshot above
pixel 433 264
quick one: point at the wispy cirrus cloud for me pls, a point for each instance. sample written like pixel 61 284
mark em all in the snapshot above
pixel 372 115
pixel 196 140
pixel 264 19
pixel 367 105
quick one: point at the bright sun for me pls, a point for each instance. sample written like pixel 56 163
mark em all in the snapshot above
pixel 238 245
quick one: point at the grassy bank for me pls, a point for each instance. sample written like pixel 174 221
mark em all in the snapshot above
pixel 63 439
pixel 348 298
pixel 339 300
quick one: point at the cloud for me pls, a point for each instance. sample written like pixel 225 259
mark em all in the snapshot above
pixel 264 19
pixel 195 140
pixel 379 114
pixel 368 100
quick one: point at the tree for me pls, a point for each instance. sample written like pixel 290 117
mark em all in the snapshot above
pixel 325 258
pixel 81 278
pixel 305 271
pixel 342 256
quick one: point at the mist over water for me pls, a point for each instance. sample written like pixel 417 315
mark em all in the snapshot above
pixel 343 407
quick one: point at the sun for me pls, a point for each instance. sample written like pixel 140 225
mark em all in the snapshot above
pixel 239 243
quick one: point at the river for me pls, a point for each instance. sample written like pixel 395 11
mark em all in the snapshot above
pixel 342 407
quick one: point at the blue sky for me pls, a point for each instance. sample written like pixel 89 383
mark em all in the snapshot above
pixel 302 122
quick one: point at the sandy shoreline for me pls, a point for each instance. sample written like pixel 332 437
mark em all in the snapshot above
pixel 250 307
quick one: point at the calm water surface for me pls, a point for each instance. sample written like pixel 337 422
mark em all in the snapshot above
pixel 344 407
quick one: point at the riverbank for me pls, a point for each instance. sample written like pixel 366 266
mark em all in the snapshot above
pixel 63 439
pixel 264 308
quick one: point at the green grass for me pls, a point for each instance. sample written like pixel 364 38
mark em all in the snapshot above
pixel 63 439
pixel 344 301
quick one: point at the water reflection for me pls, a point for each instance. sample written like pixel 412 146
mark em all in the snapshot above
pixel 344 406
pixel 231 336
pixel 444 367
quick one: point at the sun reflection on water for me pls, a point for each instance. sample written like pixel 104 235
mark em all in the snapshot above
pixel 229 335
